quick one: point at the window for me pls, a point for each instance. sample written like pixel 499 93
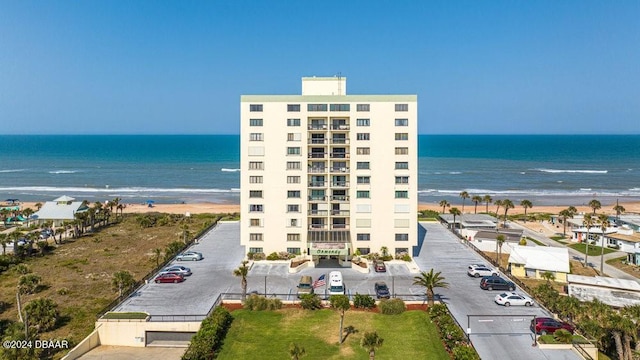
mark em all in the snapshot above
pixel 293 107
pixel 363 237
pixel 293 165
pixel 362 194
pixel 255 237
pixel 362 136
pixel 339 107
pixel 362 165
pixel 293 122
pixel 402 107
pixel 255 107
pixel 255 179
pixel 363 151
pixel 293 151
pixel 256 250
pixel 364 179
pixel 256 165
pixel 402 151
pixel 402 165
pixel 255 193
pixel 401 194
pixel 402 251
pixel 255 122
pixel 363 122
pixel 294 137
pixel 255 222
pixel 364 251
pixel 401 208
pixel 293 194
pixel 402 179
pixel 363 208
pixel 293 208
pixel 293 251
pixel 316 107
pixel 402 237
pixel 255 208
pixel 256 150
pixel 402 122
pixel 402 136
pixel 256 137
pixel 293 222
pixel 293 237
pixel 362 107
pixel 293 179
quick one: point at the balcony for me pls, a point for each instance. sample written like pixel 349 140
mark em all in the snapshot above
pixel 316 227
pixel 317 170
pixel 344 184
pixel 340 127
pixel 339 169
pixel 340 212
pixel 317 141
pixel 317 198
pixel 340 227
pixel 340 198
pixel 339 141
pixel 317 127
pixel 317 155
pixel 339 155
pixel 318 212
pixel 318 184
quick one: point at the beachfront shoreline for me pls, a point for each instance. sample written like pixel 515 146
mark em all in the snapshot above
pixel 469 208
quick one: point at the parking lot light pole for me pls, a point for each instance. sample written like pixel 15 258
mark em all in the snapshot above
pixel 393 286
pixel 265 285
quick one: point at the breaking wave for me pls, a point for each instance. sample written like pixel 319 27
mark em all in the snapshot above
pixel 556 171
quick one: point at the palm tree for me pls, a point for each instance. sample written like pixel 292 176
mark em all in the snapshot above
pixel 595 205
pixel 603 219
pixel 507 204
pixel 619 209
pixel 565 214
pixel 487 200
pixel 340 303
pixel 42 314
pixel 185 232
pixel 499 242
pixel 38 205
pixel 444 204
pixel 497 203
pixel 371 341
pixel 4 240
pixel 526 204
pixel 296 351
pixel 430 280
pixel 122 280
pixel 455 212
pixel 242 272
pixel 464 195
pixel 588 221
pixel 157 255
pixel 548 275
pixel 476 199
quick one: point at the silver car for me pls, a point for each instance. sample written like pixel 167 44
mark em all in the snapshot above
pixel 478 270
pixel 177 269
pixel 190 255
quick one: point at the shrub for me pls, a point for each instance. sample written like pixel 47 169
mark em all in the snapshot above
pixel 386 258
pixel 63 291
pixel 21 269
pixel 465 353
pixel 392 306
pixel 273 256
pixel 210 337
pixel 29 283
pixel 363 302
pixel 310 302
pixel 259 256
pixel 522 242
pixel 42 314
pixel 283 255
pixel 406 258
pixel 250 255
pixel 563 336
pixel 260 303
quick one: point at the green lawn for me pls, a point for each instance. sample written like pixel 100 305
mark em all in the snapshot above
pixel 539 243
pixel 550 339
pixel 593 250
pixel 560 239
pixel 267 335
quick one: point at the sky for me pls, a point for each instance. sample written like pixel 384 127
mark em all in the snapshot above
pixel 180 67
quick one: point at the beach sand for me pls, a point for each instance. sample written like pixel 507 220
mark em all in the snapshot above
pixel 204 207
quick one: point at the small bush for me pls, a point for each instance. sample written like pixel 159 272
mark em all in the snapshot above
pixel 259 256
pixel 273 256
pixel 310 302
pixel 21 269
pixel 363 302
pixel 522 242
pixel 210 337
pixel 386 258
pixel 250 255
pixel 464 352
pixel 63 291
pixel 406 258
pixel 29 284
pixel 392 306
pixel 261 303
pixel 563 336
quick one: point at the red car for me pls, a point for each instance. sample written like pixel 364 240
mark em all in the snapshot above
pixel 379 266
pixel 169 278
pixel 547 325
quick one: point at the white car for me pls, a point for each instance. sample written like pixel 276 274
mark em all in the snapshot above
pixel 189 255
pixel 479 270
pixel 511 298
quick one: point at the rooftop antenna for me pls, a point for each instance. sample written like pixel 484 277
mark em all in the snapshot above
pixel 339 83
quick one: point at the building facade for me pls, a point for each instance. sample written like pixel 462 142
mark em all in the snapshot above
pixel 326 174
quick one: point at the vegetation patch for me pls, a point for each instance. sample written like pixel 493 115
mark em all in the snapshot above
pixel 551 339
pixel 125 315
pixel 593 249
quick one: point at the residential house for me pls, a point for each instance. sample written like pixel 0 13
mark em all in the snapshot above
pixel 627 240
pixel 59 210
pixel 611 291
pixel 533 261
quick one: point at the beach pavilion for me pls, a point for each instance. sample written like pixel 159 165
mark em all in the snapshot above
pixel 59 210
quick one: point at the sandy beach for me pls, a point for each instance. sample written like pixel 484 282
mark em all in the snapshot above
pixel 205 207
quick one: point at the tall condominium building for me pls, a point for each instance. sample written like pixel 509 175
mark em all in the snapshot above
pixel 327 174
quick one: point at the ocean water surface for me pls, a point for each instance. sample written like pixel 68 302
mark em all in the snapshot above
pixel 546 169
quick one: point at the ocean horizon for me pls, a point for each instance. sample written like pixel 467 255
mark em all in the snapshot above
pixel 545 169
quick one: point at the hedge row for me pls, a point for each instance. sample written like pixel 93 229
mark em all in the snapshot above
pixel 451 335
pixel 210 337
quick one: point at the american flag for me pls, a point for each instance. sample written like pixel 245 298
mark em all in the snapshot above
pixel 320 282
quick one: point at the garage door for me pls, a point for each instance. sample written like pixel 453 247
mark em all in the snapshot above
pixel 168 338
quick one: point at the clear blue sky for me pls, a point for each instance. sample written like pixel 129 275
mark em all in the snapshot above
pixel 179 67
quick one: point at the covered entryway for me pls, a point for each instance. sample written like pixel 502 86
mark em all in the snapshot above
pixel 330 248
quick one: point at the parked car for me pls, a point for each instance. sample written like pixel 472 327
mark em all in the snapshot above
pixel 496 283
pixel 379 266
pixel 511 298
pixel 305 286
pixel 478 270
pixel 382 291
pixel 547 325
pixel 190 255
pixel 169 278
pixel 177 269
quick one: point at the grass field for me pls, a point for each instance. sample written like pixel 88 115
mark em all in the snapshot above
pixel 267 335
pixel 593 250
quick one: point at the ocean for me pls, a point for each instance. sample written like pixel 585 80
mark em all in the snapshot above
pixel 545 169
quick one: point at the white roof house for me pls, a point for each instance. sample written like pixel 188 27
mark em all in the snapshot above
pixel 611 291
pixel 543 258
pixel 59 210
